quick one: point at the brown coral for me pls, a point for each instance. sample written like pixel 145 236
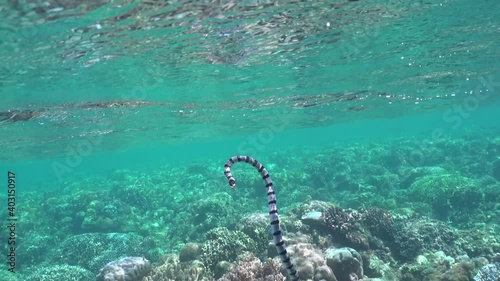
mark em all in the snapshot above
pixel 171 269
pixel 345 223
pixel 250 268
pixel 346 263
pixel 310 262
pixel 126 269
pixel 379 222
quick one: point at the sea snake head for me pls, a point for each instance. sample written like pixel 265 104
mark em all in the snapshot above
pixel 273 209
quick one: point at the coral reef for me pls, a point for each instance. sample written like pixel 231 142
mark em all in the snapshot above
pixel 442 223
pixel 6 275
pixel 489 272
pixel 439 266
pixel 61 272
pixel 126 269
pixel 101 217
pixel 346 224
pixel 94 250
pixel 190 252
pixel 458 272
pixel 33 250
pixel 379 222
pixel 171 269
pixel 310 263
pixel 257 227
pixel 445 192
pixel 250 268
pixel 418 234
pixel 346 263
pixel 377 268
pixel 213 211
pixel 225 245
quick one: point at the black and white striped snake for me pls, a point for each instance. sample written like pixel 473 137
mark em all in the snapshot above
pixel 273 210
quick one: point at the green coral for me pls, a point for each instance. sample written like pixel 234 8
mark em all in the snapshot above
pixel 61 272
pixel 10 276
pixel 214 211
pixel 439 189
pixel 257 227
pixel 170 268
pixel 225 245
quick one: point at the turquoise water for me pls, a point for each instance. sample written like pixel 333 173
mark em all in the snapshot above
pixel 118 116
pixel 40 173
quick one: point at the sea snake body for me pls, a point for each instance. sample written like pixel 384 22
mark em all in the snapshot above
pixel 273 210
